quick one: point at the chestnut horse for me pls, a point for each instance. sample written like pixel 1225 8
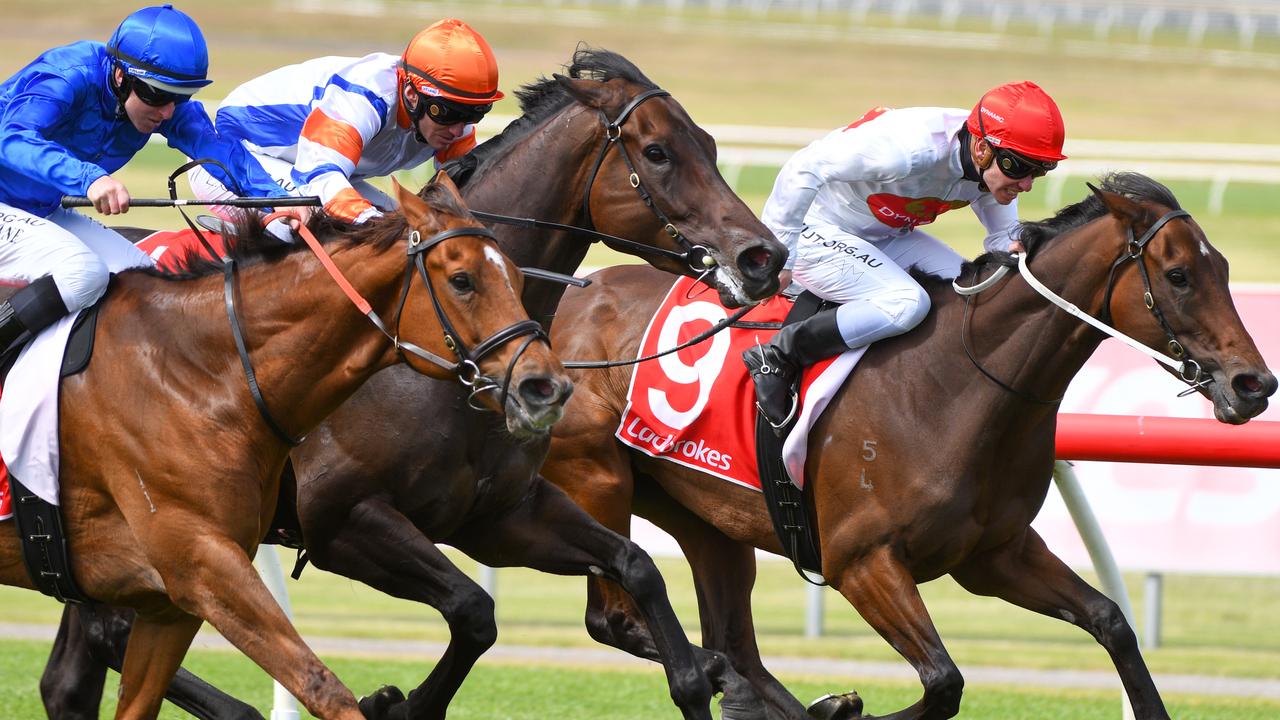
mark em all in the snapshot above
pixel 169 470
pixel 601 149
pixel 921 466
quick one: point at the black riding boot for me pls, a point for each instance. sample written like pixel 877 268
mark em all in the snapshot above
pixel 775 366
pixel 30 310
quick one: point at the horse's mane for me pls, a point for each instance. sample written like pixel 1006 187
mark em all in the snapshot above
pixel 1036 235
pixel 252 245
pixel 542 99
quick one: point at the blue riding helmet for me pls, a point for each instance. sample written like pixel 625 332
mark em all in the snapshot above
pixel 164 48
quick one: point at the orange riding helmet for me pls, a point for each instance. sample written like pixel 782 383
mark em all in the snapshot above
pixel 1020 117
pixel 451 61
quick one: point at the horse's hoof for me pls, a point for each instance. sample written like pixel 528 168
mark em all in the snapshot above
pixel 378 705
pixel 836 707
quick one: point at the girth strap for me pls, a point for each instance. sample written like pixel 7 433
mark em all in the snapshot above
pixel 44 545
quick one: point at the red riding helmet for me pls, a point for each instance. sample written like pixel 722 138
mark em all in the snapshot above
pixel 1020 117
pixel 450 60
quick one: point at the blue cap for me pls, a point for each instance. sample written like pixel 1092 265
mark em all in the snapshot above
pixel 163 47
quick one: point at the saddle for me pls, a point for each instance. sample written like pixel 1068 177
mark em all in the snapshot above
pixel 792 516
pixel 39 523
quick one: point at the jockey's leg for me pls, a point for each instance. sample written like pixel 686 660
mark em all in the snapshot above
pixel 878 299
pixel 65 261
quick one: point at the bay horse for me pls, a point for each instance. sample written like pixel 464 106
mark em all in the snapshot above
pixel 603 149
pixel 170 467
pixel 921 466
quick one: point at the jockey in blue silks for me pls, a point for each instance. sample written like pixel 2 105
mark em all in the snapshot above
pixel 67 121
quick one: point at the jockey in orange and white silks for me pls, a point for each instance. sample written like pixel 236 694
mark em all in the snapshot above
pixel 849 208
pixel 70 119
pixel 324 126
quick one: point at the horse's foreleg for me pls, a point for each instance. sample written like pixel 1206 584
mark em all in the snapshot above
pixel 93 638
pixel 156 648
pixel 724 572
pixel 214 579
pixel 71 686
pixel 380 547
pixel 1028 574
pixel 549 532
pixel 881 589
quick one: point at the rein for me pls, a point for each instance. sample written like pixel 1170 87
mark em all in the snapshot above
pixel 1188 370
pixel 600 364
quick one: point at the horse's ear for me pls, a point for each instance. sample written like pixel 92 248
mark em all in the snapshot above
pixel 445 181
pixel 592 93
pixel 414 208
pixel 1124 209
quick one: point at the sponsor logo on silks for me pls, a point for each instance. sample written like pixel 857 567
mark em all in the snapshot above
pixel 902 212
pixel 692 450
pixel 983 109
pixel 868 116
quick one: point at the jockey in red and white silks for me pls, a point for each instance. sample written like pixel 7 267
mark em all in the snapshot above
pixel 324 126
pixel 849 206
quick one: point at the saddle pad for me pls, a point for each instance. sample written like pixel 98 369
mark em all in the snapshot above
pixel 29 413
pixel 175 250
pixel 696 407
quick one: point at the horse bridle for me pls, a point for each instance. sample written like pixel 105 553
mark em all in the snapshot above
pixel 1189 371
pixel 467 368
pixel 696 257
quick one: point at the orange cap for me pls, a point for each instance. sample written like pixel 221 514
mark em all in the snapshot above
pixel 451 60
pixel 1020 117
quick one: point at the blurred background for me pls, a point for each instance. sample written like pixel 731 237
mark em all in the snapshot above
pixel 1188 92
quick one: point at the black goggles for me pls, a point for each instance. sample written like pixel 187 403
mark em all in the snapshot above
pixel 1017 167
pixel 156 97
pixel 443 112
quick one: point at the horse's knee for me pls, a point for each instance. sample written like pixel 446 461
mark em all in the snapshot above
pixel 943 688
pixel 470 615
pixel 1107 624
pixel 638 574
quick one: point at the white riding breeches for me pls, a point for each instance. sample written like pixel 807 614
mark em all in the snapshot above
pixel 78 252
pixel 877 296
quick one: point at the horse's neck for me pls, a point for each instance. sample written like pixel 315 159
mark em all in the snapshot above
pixel 1021 338
pixel 309 346
pixel 543 176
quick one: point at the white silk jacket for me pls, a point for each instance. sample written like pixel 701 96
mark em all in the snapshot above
pixel 882 176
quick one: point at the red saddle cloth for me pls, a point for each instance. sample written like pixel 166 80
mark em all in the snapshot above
pixel 175 250
pixel 696 407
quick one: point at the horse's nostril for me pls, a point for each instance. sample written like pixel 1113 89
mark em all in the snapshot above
pixel 756 261
pixel 1250 385
pixel 542 391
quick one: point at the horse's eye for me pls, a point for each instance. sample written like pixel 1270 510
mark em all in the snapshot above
pixel 461 282
pixel 655 153
pixel 1177 277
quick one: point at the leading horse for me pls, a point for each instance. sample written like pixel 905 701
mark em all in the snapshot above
pixel 602 149
pixel 926 463
pixel 170 466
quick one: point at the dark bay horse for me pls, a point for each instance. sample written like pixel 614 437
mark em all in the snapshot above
pixel 921 466
pixel 603 148
pixel 169 471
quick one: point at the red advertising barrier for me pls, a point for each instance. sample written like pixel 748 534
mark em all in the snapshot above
pixel 1178 441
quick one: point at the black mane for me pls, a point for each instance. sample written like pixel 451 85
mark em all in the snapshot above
pixel 542 99
pixel 251 245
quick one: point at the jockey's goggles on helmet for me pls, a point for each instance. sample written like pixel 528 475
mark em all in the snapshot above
pixel 1013 165
pixel 445 112
pixel 154 96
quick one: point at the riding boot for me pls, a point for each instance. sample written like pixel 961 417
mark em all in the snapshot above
pixel 775 366
pixel 30 310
